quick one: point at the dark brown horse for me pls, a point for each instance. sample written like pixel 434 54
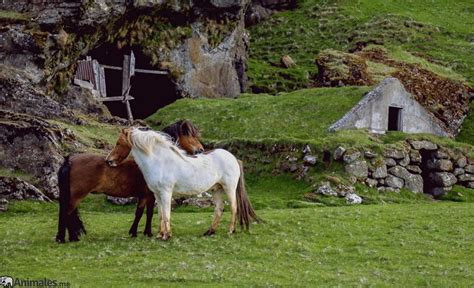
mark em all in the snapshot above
pixel 84 173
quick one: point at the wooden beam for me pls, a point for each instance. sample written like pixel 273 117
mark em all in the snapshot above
pixel 146 71
pixel 114 98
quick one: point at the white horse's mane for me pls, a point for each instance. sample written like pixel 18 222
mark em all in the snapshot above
pixel 147 140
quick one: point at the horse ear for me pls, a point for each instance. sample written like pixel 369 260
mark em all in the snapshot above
pixel 184 128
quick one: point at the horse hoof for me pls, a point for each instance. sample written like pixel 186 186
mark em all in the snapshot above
pixel 60 240
pixel 209 233
pixel 164 236
pixel 133 235
pixel 149 234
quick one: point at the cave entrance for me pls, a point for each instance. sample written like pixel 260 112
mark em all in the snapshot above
pixel 394 118
pixel 151 91
pixel 426 170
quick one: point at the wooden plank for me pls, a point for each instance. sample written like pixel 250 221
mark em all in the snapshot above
pixel 146 71
pixel 126 86
pixel 115 98
pixel 132 64
pixel 103 88
pixel 95 74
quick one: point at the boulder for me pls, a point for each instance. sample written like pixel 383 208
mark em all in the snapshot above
pixel 405 161
pixel 343 190
pixel 466 177
pixel 390 162
pixel 380 171
pixel 394 182
pixel 33 145
pixel 441 154
pixel 395 154
pixel 414 169
pixel 440 164
pixel 458 171
pixel 121 201
pixel 309 160
pixel 339 152
pixel 3 204
pixel 326 189
pixel 413 182
pixel 370 154
pixel 18 189
pixel 461 162
pixel 388 189
pixel 351 155
pixel 443 179
pixel 469 169
pixel 469 185
pixel 426 145
pixel 371 182
pixel 353 199
pixel 358 169
pixel 415 157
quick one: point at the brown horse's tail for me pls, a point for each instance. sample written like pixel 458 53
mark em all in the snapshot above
pixel 72 222
pixel 245 211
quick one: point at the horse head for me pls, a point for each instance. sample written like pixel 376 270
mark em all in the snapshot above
pixel 189 137
pixel 122 148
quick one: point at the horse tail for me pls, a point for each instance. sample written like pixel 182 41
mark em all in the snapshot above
pixel 64 197
pixel 72 222
pixel 245 211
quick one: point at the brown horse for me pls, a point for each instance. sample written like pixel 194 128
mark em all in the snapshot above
pixel 84 173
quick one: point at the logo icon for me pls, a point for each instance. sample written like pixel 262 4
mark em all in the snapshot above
pixel 6 281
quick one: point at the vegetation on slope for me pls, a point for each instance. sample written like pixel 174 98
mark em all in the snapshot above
pixel 434 32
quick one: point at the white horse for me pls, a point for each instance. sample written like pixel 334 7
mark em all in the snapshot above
pixel 169 171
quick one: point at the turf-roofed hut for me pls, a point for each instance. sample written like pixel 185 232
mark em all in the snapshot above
pixel 389 107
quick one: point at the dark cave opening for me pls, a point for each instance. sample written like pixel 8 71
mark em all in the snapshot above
pixel 425 171
pixel 151 91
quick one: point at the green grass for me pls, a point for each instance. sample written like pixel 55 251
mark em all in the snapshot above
pixel 467 131
pixel 301 115
pixel 439 31
pixel 17 173
pixel 13 17
pixel 376 245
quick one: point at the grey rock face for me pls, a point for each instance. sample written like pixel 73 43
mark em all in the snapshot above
pixel 466 177
pixel 358 169
pixel 427 145
pixel 394 182
pixel 440 165
pixel 441 154
pixel 395 154
pixel 413 182
pixel 443 179
pixel 462 162
pixel 458 171
pixel 121 201
pixel 326 189
pixel 380 171
pixel 353 199
pixel 310 160
pixel 3 204
pixel 390 162
pixel 469 168
pixel 370 154
pixel 339 152
pixel 350 156
pixel 15 188
pixel 414 169
pixel 405 161
pixel 415 157
pixel 371 182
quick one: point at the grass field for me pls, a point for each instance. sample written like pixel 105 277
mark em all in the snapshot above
pixel 371 245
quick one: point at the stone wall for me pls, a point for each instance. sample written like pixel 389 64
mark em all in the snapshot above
pixel 420 166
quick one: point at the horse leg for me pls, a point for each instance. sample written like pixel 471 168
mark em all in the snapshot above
pixel 233 206
pixel 218 210
pixel 75 227
pixel 150 205
pixel 138 215
pixel 165 227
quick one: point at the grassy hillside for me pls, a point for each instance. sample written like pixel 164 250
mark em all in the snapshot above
pixel 383 245
pixel 439 32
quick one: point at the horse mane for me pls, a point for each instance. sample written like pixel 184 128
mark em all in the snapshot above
pixel 182 128
pixel 146 140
